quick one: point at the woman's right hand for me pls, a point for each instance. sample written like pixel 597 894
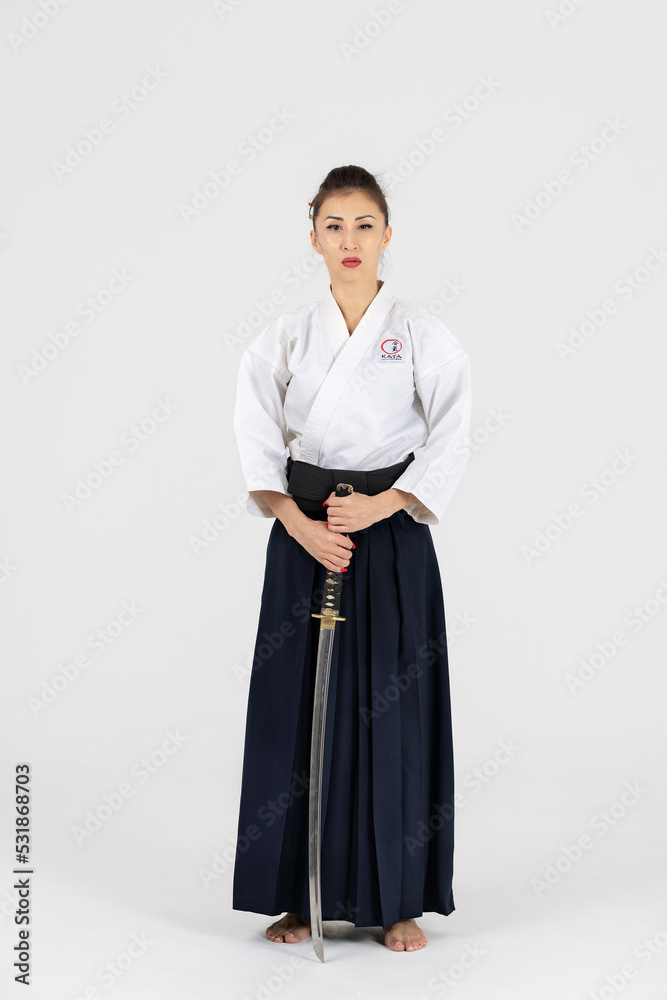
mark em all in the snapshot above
pixel 331 548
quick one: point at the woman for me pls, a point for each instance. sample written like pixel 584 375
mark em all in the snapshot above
pixel 355 383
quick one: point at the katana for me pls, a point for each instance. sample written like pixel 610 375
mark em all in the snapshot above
pixel 329 615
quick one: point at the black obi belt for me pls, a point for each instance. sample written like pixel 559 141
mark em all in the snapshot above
pixel 310 485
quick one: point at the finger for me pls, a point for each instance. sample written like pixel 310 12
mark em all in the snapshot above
pixel 335 567
pixel 337 502
pixel 340 524
pixel 336 517
pixel 344 555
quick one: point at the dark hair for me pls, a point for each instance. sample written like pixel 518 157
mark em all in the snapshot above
pixel 345 180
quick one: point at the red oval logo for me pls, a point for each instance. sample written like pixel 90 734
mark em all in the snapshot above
pixel 391 346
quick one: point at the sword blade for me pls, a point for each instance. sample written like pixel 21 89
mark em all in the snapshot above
pixel 324 650
pixel 329 615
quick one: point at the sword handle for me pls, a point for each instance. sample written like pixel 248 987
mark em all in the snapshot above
pixel 333 583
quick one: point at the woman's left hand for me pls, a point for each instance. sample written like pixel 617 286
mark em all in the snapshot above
pixel 357 511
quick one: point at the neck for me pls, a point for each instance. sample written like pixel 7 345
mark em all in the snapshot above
pixel 354 299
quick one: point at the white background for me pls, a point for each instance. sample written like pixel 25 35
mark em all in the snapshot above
pixel 537 598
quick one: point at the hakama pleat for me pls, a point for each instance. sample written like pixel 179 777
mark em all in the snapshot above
pixel 388 775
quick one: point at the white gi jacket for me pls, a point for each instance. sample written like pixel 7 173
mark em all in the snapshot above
pixel 399 383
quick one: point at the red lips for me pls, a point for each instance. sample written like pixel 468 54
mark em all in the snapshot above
pixel 345 259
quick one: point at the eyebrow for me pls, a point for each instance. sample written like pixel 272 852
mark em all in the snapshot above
pixel 340 217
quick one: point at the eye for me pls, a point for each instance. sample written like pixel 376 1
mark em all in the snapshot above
pixel 334 225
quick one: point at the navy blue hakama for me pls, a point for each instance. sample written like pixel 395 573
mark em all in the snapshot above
pixel 388 777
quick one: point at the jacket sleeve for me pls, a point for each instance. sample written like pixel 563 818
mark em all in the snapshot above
pixel 259 425
pixel 445 397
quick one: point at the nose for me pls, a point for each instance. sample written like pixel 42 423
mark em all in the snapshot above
pixel 349 242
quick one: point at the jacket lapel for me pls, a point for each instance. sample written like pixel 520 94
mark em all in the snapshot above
pixel 348 352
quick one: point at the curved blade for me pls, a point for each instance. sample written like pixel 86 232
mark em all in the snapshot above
pixel 329 615
pixel 315 791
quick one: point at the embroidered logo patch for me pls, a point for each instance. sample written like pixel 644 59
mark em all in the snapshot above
pixel 391 350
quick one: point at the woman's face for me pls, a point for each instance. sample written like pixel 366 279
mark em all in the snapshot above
pixel 350 225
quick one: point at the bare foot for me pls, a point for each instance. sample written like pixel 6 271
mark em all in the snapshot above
pixel 405 936
pixel 289 929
